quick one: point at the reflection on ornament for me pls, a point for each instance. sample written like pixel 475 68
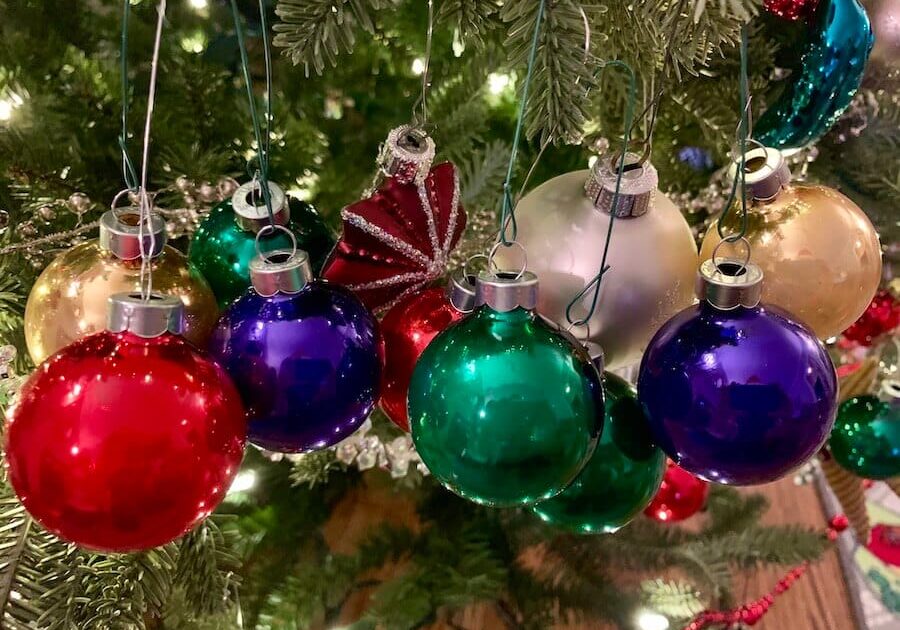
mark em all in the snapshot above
pixel 680 496
pixel 622 475
pixel 737 392
pixel 881 317
pixel 305 355
pixel 886 24
pixel 563 223
pixel 791 9
pixel 504 409
pixel 819 252
pixel 831 69
pixel 866 436
pixel 124 441
pixel 69 300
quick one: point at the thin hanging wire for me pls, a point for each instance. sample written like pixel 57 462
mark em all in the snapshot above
pixel 261 174
pixel 595 282
pixel 128 171
pixel 507 213
pixel 422 105
pixel 148 247
pixel 744 132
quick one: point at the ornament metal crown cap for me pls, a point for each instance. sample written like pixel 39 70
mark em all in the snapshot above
pixel 407 154
pixel 145 318
pixel 505 291
pixel 251 214
pixel 639 183
pixel 766 172
pixel 461 291
pixel 729 283
pixel 280 271
pixel 120 234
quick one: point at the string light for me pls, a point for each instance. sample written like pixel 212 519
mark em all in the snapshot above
pixel 418 66
pixel 199 5
pixel 497 82
pixel 649 620
pixel 6 109
pixel 244 481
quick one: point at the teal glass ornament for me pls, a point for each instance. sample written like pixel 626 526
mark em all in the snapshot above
pixel 622 476
pixel 225 242
pixel 829 75
pixel 866 437
pixel 505 409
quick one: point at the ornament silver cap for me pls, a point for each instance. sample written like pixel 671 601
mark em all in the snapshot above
pixel 250 211
pixel 120 234
pixel 280 271
pixel 639 183
pixel 145 318
pixel 729 283
pixel 505 291
pixel 461 291
pixel 595 351
pixel 407 154
pixel 766 171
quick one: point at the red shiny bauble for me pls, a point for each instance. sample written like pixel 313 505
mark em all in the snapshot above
pixel 880 317
pixel 408 328
pixel 119 443
pixel 791 9
pixel 680 496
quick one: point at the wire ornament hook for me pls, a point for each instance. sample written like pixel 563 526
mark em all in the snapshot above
pixel 492 265
pixel 266 230
pixel 745 260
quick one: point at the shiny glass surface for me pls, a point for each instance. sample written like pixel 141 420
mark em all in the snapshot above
pixel 737 397
pixel 308 365
pixel 622 475
pixel 680 496
pixel 408 328
pixel 866 437
pixel 222 251
pixel 69 300
pixel 504 410
pixel 119 443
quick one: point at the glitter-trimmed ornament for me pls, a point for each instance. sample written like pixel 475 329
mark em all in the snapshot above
pixel 69 299
pixel 680 496
pixel 305 354
pixel 408 328
pixel 818 250
pixel 128 438
pixel 399 239
pixel 737 392
pixel 652 257
pixel 881 317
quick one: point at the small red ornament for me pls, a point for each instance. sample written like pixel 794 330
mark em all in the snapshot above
pixel 885 543
pixel 408 328
pixel 398 240
pixel 680 496
pixel 122 443
pixel 880 317
pixel 791 9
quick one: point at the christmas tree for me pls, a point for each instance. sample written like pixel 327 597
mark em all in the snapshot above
pixel 73 99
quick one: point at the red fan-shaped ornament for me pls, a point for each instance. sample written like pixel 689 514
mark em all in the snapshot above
pixel 398 240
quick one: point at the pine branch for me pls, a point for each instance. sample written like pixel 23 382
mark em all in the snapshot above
pixel 481 175
pixel 474 19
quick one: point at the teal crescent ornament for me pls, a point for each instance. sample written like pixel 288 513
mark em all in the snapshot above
pixel 829 75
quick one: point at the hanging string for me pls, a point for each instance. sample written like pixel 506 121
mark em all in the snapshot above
pixel 743 133
pixel 148 247
pixel 595 282
pixel 262 173
pixel 507 213
pixel 128 171
pixel 423 98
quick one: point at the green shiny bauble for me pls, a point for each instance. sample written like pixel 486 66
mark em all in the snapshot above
pixel 866 438
pixel 622 476
pixel 222 251
pixel 504 410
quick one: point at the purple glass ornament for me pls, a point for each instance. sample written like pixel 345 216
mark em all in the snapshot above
pixel 307 364
pixel 737 396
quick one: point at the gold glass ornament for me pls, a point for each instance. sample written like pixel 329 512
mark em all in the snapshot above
pixel 70 298
pixel 818 251
pixel 562 225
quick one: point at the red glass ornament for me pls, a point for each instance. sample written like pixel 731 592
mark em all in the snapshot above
pixel 407 329
pixel 398 240
pixel 791 9
pixel 120 443
pixel 880 317
pixel 885 543
pixel 680 496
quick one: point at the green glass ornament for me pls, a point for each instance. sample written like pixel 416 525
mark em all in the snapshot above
pixel 504 409
pixel 866 437
pixel 622 476
pixel 222 249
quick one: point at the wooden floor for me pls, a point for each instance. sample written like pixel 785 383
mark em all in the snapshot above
pixel 818 601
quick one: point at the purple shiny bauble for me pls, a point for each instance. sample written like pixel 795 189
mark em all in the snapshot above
pixel 737 397
pixel 308 365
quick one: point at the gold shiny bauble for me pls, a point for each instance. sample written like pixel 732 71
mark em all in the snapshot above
pixel 819 253
pixel 69 299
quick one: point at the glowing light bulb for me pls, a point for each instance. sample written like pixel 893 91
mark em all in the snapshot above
pixel 198 5
pixel 498 82
pixel 418 66
pixel 245 480
pixel 649 620
pixel 6 109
